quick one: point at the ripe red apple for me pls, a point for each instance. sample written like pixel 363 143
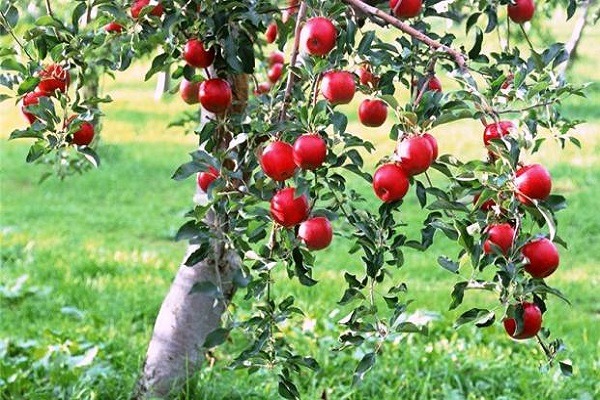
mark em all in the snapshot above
pixel 532 322
pixel 366 77
pixel 501 235
pixel 496 130
pixel 434 84
pixel 84 135
pixel 287 209
pixel 30 99
pixel 189 91
pixel 53 77
pixel 415 154
pixel 215 95
pixel 434 146
pixel 271 33
pixel 262 88
pixel 372 113
pixel 542 257
pixel 316 233
pixel 310 151
pixel 277 161
pixel 205 178
pixel 390 183
pixel 406 8
pixel 533 182
pixel 318 36
pixel 196 55
pixel 274 73
pixel 138 5
pixel 113 27
pixel 276 57
pixel 521 10
pixel 338 87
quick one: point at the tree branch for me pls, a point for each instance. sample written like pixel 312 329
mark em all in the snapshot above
pixel 49 8
pixel 459 58
pixel 8 28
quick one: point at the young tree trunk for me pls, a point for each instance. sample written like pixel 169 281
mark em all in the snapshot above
pixel 576 35
pixel 163 84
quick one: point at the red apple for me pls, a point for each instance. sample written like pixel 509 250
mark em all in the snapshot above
pixel 277 161
pixel 542 257
pixel 271 33
pixel 276 57
pixel 434 146
pixel 262 88
pixel 508 81
pixel 406 8
pixel 215 95
pixel 501 235
pixel 390 183
pixel 189 91
pixel 138 5
pixel 205 178
pixel 84 135
pixel 113 27
pixel 434 84
pixel 533 182
pixel 338 87
pixel 521 10
pixel 366 77
pixel 316 233
pixel 53 77
pixel 196 55
pixel 31 98
pixel 532 322
pixel 487 205
pixel 310 151
pixel 415 154
pixel 318 36
pixel 287 209
pixel 274 72
pixel 496 130
pixel 372 113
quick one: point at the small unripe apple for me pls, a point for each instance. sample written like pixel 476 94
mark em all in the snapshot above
pixel 501 235
pixel 497 130
pixel 52 78
pixel 372 113
pixel 215 95
pixel 189 91
pixel 542 257
pixel 532 322
pixel 31 98
pixel 318 36
pixel 415 154
pixel 84 135
pixel 406 8
pixel 390 183
pixel 113 27
pixel 277 161
pixel 138 5
pixel 271 33
pixel 434 146
pixel 274 73
pixel 287 209
pixel 276 57
pixel 196 55
pixel 310 151
pixel 521 10
pixel 338 87
pixel 316 233
pixel 533 182
pixel 205 178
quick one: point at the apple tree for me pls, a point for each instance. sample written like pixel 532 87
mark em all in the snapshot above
pixel 276 157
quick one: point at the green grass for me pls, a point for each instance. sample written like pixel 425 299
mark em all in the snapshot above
pixel 98 254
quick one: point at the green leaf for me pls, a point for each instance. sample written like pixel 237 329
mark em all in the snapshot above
pixel 458 293
pixel 28 85
pixel 187 231
pixel 479 315
pixel 206 288
pixel 476 49
pixel 158 64
pixel 566 367
pixel 198 255
pixel 365 364
pixel 287 389
pixel 448 264
pixel 216 337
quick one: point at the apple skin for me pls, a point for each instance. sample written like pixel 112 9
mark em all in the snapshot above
pixel 543 258
pixel 215 95
pixel 434 84
pixel 275 72
pixel 196 55
pixel 338 87
pixel 52 78
pixel 189 91
pixel 407 8
pixel 532 322
pixel 372 113
pixel 521 11
pixel 390 183
pixel 262 88
pixel 316 233
pixel 434 146
pixel 318 36
pixel 310 151
pixel 84 135
pixel 497 130
pixel 113 27
pixel 533 182
pixel 415 154
pixel 366 77
pixel 288 210
pixel 486 206
pixel 31 98
pixel 277 161
pixel 276 57
pixel 501 235
pixel 205 178
pixel 136 8
pixel 271 33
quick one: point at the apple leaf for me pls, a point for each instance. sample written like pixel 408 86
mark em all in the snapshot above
pixel 365 364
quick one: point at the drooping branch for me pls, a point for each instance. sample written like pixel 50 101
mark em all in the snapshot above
pixel 373 12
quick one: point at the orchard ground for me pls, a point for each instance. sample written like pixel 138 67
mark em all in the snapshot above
pixel 85 265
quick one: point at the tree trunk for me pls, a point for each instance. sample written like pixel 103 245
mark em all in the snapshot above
pixel 163 84
pixel 576 35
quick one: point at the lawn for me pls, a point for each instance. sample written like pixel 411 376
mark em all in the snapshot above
pixel 85 264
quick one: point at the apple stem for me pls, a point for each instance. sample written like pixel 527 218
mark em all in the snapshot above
pixel 526 37
pixel 290 81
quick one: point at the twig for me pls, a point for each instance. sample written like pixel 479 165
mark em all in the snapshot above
pixel 430 74
pixel 49 9
pixel 8 28
pixel 519 110
pixel 291 76
pixel 458 57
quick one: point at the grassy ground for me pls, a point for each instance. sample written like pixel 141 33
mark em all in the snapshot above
pixel 85 264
